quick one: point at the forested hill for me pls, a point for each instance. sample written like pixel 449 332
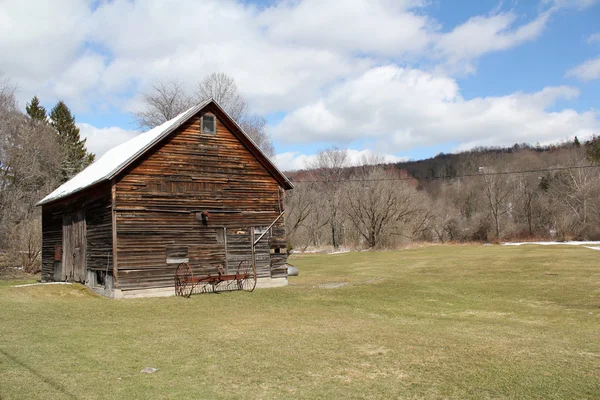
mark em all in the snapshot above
pixel 451 165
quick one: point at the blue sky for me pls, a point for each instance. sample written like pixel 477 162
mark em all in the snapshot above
pixel 403 79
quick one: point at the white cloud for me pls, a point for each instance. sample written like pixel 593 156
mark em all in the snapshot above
pixel 378 27
pixel 400 109
pixel 100 140
pixel 283 56
pixel 292 161
pixel 38 40
pixel 221 36
pixel 594 38
pixel 577 4
pixel 587 71
pixel 485 34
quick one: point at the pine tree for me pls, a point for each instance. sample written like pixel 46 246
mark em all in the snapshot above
pixel 75 156
pixel 576 142
pixel 35 110
pixel 593 149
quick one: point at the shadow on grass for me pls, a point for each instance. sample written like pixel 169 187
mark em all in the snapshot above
pixel 47 380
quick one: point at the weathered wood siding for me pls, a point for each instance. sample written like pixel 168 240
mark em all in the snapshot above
pixel 52 231
pixel 160 197
pixel 95 205
pixel 98 218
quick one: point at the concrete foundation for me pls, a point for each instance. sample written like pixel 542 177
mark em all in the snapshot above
pixel 261 283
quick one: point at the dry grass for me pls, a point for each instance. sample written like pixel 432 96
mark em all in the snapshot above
pixel 436 322
pixel 12 274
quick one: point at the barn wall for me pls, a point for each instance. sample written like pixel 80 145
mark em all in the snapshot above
pixel 96 205
pixel 51 238
pixel 98 218
pixel 159 198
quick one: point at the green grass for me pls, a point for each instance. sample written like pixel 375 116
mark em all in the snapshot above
pixel 438 322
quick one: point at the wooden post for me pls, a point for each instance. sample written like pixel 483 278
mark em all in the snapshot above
pixel 253 244
pixel 114 234
pixel 225 245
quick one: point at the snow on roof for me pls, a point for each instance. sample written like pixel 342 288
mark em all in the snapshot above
pixel 117 158
pixel 113 160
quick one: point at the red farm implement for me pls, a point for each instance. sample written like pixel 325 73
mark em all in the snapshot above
pixel 186 283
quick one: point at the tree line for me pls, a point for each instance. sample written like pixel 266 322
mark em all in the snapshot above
pixel 38 152
pixel 481 195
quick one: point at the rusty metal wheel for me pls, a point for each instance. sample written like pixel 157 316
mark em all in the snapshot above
pixel 184 280
pixel 246 272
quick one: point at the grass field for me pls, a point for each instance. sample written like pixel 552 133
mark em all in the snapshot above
pixel 437 322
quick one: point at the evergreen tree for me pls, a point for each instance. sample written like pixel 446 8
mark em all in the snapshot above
pixel 35 110
pixel 593 149
pixel 576 142
pixel 75 156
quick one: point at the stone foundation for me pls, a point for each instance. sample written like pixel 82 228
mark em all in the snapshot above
pixel 261 283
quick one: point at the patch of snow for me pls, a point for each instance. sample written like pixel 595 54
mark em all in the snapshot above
pixel 572 243
pixel 339 252
pixel 593 247
pixel 44 283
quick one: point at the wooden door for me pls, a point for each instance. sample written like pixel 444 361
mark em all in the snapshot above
pixel 74 255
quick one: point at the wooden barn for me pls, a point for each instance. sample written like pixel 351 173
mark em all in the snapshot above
pixel 195 189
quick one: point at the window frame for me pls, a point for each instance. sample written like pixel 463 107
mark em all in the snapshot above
pixel 214 118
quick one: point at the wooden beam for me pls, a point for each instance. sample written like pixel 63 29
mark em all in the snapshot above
pixel 114 233
pixel 254 242
pixel 252 247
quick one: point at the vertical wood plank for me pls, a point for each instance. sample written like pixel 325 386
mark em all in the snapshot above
pixel 114 233
pixel 252 254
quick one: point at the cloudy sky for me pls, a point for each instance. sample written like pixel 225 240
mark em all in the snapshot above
pixel 401 78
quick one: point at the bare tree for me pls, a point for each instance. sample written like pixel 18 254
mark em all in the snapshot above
pixel 378 205
pixel 307 215
pixel 224 90
pixel 7 94
pixel 446 225
pixel 163 102
pixel 298 205
pixel 255 127
pixel 329 171
pixel 166 100
pixel 574 195
pixel 498 190
pixel 29 169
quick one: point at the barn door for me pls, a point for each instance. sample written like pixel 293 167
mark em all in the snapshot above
pixel 74 265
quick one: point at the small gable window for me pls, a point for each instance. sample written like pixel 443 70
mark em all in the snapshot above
pixel 209 124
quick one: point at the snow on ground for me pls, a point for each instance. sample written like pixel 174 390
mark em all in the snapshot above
pixel 573 243
pixel 44 283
